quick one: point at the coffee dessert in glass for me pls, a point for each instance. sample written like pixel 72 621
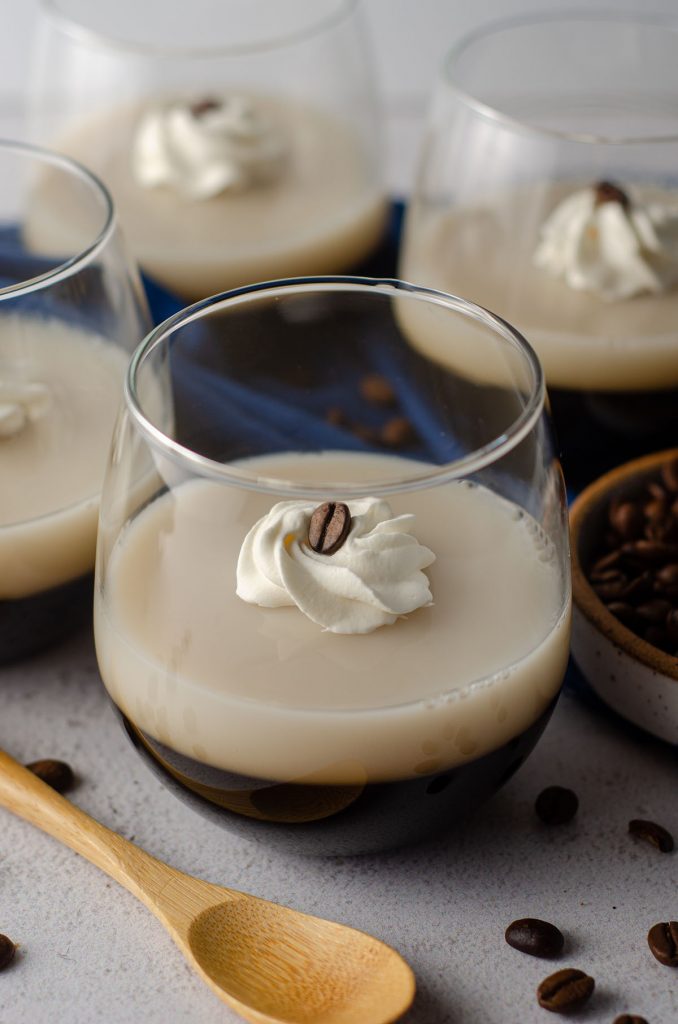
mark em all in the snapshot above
pixel 332 598
pixel 70 307
pixel 547 193
pixel 240 141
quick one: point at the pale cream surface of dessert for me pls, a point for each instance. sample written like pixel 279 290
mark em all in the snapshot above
pixel 485 252
pixel 322 214
pixel 52 467
pixel 266 692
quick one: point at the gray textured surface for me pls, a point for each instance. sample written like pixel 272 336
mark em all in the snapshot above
pixel 90 953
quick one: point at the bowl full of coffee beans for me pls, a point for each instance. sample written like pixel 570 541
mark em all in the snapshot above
pixel 624 532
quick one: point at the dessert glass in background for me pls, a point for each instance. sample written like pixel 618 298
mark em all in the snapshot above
pixel 240 141
pixel 547 191
pixel 71 309
pixel 333 703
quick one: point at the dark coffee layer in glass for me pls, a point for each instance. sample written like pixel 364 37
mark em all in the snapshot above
pixel 29 624
pixel 337 820
pixel 598 430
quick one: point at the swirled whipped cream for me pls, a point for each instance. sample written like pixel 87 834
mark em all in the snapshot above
pixel 599 240
pixel 207 147
pixel 20 404
pixel 374 577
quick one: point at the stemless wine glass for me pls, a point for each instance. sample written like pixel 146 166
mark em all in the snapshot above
pixel 240 140
pixel 71 308
pixel 324 690
pixel 547 191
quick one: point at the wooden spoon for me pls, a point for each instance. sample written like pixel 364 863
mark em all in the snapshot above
pixel 273 965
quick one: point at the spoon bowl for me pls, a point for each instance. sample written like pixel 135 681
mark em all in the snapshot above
pixel 271 964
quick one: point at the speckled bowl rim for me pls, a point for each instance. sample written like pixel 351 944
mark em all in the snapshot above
pixel 585 598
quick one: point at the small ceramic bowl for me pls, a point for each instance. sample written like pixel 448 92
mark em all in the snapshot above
pixel 631 676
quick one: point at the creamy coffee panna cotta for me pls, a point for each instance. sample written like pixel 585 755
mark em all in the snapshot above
pixel 283 681
pixel 588 272
pixel 60 388
pixel 220 189
pixel 331 640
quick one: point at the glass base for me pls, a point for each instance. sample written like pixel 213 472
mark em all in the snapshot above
pixel 29 624
pixel 337 820
pixel 598 430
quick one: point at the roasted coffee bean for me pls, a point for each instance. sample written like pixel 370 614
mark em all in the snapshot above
pixel 336 416
pixel 629 1018
pixel 663 942
pixel 669 474
pixel 652 833
pixel 202 107
pixel 612 589
pixel 329 527
pixel 556 805
pixel 377 389
pixel 627 520
pixel 650 552
pixel 625 613
pixel 56 774
pixel 668 574
pixel 565 990
pixel 538 938
pixel 397 432
pixel 608 192
pixel 7 951
pixel 654 611
pixel 610 561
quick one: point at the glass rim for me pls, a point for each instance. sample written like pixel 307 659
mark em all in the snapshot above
pixel 493 113
pixel 79 31
pixel 201 465
pixel 82 258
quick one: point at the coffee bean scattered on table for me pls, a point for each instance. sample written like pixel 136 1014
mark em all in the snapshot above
pixel 629 1018
pixel 565 990
pixel 538 938
pixel 663 942
pixel 7 951
pixel 634 571
pixel 556 805
pixel 397 432
pixel 652 833
pixel 377 389
pixel 56 774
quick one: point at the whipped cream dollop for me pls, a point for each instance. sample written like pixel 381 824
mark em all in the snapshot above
pixel 20 404
pixel 600 240
pixel 369 581
pixel 207 147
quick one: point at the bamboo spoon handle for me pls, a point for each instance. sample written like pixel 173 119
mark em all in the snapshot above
pixel 26 795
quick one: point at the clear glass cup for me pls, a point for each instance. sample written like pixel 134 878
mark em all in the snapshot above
pixel 240 140
pixel 336 710
pixel 531 113
pixel 71 310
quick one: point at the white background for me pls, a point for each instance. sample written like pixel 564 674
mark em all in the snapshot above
pixel 409 37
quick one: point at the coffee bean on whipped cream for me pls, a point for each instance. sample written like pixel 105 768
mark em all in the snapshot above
pixel 565 990
pixel 329 527
pixel 652 833
pixel 662 939
pixel 556 805
pixel 629 1018
pixel 535 937
pixel 7 951
pixel 608 192
pixel 204 106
